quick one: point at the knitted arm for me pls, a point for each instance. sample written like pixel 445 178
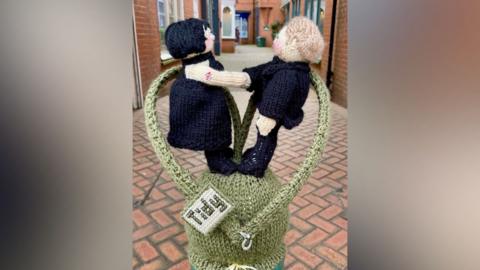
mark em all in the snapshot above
pixel 256 77
pixel 277 95
pixel 214 77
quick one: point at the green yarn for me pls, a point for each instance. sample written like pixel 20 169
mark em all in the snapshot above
pixel 249 195
pixel 280 265
pixel 261 205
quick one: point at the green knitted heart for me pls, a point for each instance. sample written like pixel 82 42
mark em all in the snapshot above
pixel 260 205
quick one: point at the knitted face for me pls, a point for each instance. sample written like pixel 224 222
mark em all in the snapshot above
pixel 279 43
pixel 209 39
pixel 286 48
pixel 299 40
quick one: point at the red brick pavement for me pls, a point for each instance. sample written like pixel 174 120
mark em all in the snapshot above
pixel 317 238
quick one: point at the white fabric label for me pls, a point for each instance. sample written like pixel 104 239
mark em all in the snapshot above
pixel 207 211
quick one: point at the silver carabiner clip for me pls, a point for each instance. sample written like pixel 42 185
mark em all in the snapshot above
pixel 247 240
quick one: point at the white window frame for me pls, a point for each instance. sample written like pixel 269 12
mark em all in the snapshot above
pixel 196 13
pixel 178 15
pixel 163 13
pixel 231 5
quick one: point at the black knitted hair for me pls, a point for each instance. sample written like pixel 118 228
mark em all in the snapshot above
pixel 185 37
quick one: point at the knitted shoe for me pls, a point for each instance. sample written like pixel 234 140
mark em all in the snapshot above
pixel 255 160
pixel 220 161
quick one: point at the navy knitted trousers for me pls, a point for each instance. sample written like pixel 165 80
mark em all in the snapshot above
pixel 256 159
pixel 220 161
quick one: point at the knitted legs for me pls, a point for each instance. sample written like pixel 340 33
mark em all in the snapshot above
pixel 256 159
pixel 220 161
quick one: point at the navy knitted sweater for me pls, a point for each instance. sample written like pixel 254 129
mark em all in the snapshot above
pixel 199 116
pixel 281 89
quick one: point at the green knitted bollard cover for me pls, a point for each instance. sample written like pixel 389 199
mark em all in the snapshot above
pixel 260 205
pixel 249 195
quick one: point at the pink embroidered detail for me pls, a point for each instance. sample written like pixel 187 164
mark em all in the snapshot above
pixel 208 76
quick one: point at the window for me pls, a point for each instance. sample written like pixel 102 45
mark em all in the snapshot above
pixel 227 22
pixel 161 13
pixel 228 19
pixel 320 15
pixel 295 8
pixel 314 10
pixel 287 12
pixel 241 22
pixel 195 9
pixel 168 11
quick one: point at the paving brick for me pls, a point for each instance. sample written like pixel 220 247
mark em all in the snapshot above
pixel 313 238
pixel 305 256
pixel 142 183
pixel 343 223
pixel 322 224
pixel 162 218
pixel 289 259
pixel 317 200
pixel 170 251
pixel 181 239
pixel 300 202
pixel 139 218
pixel 175 194
pixel 157 205
pixel 176 207
pixel 136 191
pixel 292 208
pixel 291 236
pixel 332 256
pixel 326 266
pixel 331 212
pixel 298 266
pixel 155 265
pixel 143 232
pixel 183 265
pixel 145 250
pixel 300 224
pixel 323 191
pixel 308 211
pixel 166 233
pixel 338 240
pixel 337 174
pixel 147 173
pixel 307 188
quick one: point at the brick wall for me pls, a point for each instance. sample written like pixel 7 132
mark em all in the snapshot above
pixel 268 17
pixel 339 87
pixel 188 8
pixel 148 40
pixel 340 51
pixel 327 23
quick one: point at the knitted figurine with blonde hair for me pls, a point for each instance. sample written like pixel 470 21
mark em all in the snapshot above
pixel 281 87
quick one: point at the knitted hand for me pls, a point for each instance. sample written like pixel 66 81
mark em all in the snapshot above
pixel 214 77
pixel 265 125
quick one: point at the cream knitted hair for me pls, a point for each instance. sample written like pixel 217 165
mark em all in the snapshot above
pixel 303 41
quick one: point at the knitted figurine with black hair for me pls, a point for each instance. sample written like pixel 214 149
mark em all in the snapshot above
pixel 199 116
pixel 281 88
